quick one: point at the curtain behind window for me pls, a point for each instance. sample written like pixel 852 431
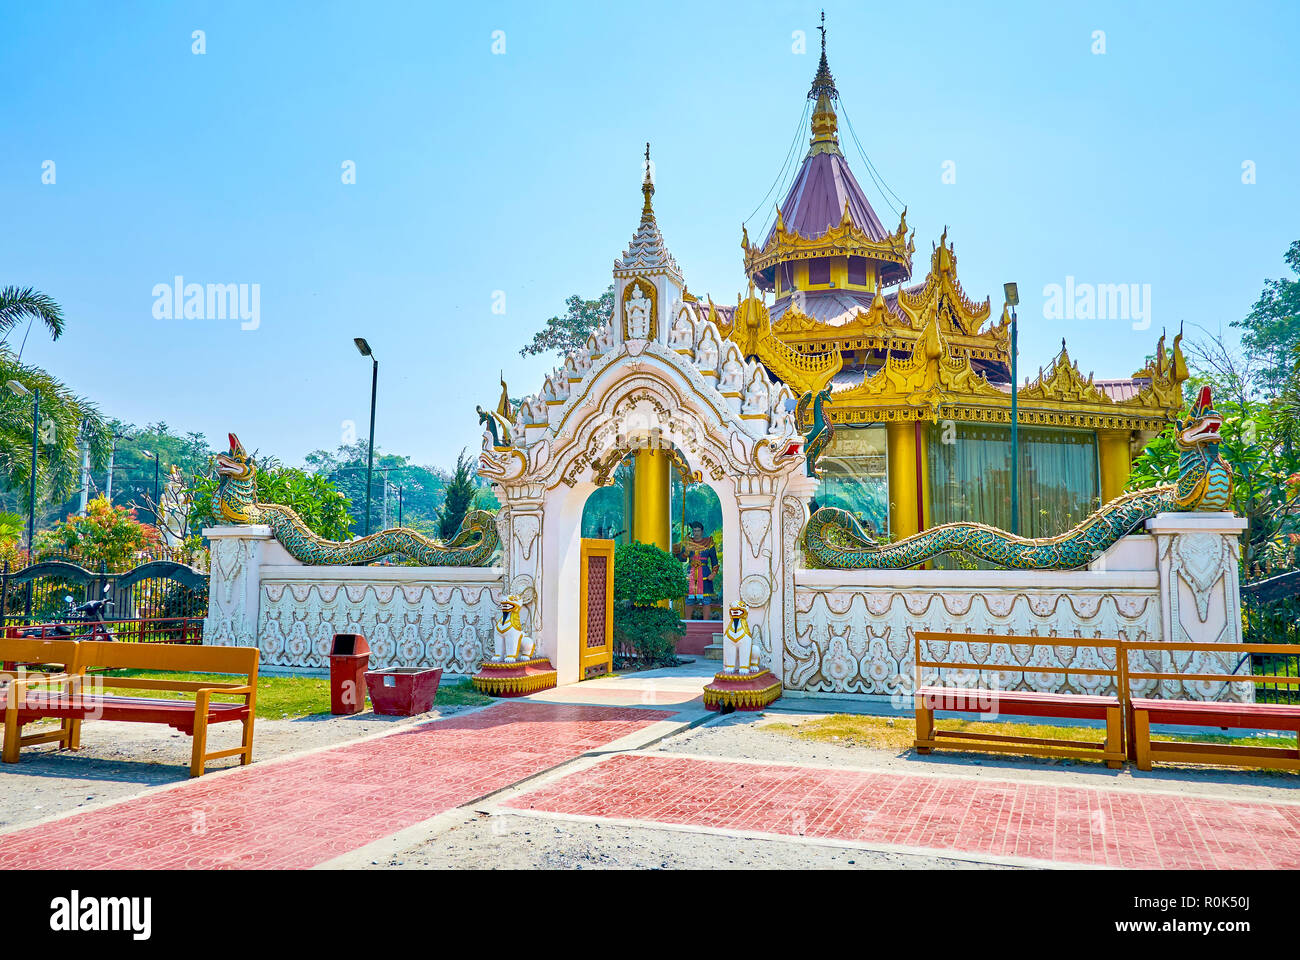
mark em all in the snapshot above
pixel 970 478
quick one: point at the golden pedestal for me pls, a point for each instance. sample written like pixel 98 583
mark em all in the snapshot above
pixel 514 679
pixel 742 691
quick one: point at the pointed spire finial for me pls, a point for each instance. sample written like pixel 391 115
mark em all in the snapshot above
pixel 647 188
pixel 823 82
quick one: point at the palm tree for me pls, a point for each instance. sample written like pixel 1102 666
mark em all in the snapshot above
pixel 25 303
pixel 65 420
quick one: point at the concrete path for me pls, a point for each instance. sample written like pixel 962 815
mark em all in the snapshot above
pixel 1004 821
pixel 304 810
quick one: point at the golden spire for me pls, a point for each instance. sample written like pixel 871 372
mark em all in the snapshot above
pixel 647 188
pixel 824 121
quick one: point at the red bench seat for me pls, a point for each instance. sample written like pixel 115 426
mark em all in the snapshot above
pixel 1196 713
pixel 179 714
pixel 1023 703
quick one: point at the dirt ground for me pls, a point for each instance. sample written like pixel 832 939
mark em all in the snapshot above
pixel 513 842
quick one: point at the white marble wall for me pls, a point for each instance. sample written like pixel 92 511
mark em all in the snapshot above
pixel 854 630
pixel 410 616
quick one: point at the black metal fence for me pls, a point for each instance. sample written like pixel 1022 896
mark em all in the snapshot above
pixel 1270 605
pixel 157 600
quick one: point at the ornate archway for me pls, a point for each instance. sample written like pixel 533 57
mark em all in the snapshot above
pixel 617 395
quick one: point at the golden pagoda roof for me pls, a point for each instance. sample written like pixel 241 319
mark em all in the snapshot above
pixel 935 383
pixel 846 238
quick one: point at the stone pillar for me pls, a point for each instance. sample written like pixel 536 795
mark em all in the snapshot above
pixel 1113 462
pixel 1196 554
pixel 235 583
pixel 1200 601
pixel 904 509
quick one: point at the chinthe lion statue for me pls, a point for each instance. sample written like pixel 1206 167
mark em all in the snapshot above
pixel 511 643
pixel 739 653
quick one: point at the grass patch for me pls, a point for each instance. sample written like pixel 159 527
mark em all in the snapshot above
pixel 899 733
pixel 280 697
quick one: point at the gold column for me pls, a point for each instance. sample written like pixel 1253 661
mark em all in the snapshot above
pixel 925 519
pixel 651 522
pixel 900 442
pixel 1113 457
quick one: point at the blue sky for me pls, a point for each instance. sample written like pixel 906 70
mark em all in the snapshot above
pixel 519 172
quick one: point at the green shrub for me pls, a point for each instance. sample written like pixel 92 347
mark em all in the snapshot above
pixel 645 575
pixel 651 633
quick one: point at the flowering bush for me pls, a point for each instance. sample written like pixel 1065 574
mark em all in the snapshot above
pixel 107 534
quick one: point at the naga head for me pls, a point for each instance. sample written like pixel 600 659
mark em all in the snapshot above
pixel 1201 428
pixel 236 499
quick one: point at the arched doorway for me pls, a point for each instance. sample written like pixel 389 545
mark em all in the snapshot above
pixel 693 531
pixel 630 397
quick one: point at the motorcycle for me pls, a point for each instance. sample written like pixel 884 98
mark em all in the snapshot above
pixel 87 621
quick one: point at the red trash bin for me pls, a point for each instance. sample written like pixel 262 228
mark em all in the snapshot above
pixel 349 658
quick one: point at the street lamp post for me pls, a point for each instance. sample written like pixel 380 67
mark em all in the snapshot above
pixel 157 505
pixel 364 349
pixel 22 391
pixel 1013 300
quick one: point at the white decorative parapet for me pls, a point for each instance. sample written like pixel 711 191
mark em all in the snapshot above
pixel 411 616
pixel 854 629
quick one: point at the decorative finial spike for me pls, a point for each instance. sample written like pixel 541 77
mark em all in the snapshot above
pixel 823 82
pixel 647 188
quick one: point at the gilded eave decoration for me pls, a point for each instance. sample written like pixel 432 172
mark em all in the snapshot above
pixel 899 329
pixel 934 384
pixel 844 239
pixel 751 330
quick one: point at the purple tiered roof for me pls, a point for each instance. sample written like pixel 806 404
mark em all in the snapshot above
pixel 816 199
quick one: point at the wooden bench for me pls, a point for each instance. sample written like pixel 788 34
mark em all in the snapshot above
pixel 1145 711
pixel 81 695
pixel 20 678
pixel 992 703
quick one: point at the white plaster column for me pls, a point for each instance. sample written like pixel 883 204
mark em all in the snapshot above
pixel 234 582
pixel 799 491
pixel 521 549
pixel 1197 555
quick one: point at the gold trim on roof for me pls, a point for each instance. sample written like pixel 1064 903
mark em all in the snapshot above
pixel 933 383
pixel 899 329
pixel 843 240
pixel 959 314
pixel 751 330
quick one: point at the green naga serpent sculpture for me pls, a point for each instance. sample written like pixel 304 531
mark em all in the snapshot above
pixel 236 502
pixel 833 538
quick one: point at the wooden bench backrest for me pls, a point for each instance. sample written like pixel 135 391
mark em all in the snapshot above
pixel 20 650
pixel 188 658
pixel 1100 644
pixel 1239 650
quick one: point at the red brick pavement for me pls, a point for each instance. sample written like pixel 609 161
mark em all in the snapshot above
pixel 1066 824
pixel 301 812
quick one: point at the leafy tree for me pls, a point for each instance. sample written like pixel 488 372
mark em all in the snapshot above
pixel 107 535
pixel 24 303
pixel 568 332
pixel 65 420
pixel 460 495
pixel 1272 328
